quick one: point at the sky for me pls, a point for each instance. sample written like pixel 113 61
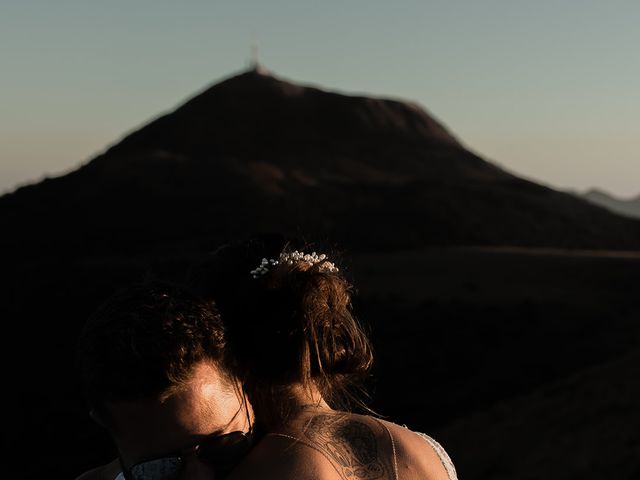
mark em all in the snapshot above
pixel 549 90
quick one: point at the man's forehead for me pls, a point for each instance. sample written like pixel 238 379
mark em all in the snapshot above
pixel 204 406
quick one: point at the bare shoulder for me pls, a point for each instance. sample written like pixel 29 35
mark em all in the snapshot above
pixel 103 472
pixel 342 446
pixel 338 445
pixel 326 446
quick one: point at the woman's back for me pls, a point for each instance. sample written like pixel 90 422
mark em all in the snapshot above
pixel 325 444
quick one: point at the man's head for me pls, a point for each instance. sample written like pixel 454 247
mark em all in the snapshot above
pixel 154 364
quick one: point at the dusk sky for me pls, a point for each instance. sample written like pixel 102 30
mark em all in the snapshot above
pixel 548 90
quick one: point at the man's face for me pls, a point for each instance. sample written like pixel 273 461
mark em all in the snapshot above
pixel 148 429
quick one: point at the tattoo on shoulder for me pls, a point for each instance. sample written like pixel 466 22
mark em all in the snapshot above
pixel 350 443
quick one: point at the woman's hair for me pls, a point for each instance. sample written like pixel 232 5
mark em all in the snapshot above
pixel 144 341
pixel 289 325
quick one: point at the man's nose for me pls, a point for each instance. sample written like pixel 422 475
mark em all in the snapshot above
pixel 195 469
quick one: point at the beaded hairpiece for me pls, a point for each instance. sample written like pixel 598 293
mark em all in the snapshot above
pixel 291 258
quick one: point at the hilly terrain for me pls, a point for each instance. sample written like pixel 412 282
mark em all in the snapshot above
pixel 489 298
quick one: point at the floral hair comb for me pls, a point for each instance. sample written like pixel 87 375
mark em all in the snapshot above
pixel 291 258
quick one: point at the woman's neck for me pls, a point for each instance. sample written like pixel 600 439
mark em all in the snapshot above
pixel 302 397
pixel 289 403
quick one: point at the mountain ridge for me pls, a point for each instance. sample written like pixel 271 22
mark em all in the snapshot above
pixel 255 152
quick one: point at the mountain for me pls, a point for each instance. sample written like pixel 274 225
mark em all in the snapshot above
pixel 256 152
pixel 628 208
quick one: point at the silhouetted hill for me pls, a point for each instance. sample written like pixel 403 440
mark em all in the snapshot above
pixel 255 152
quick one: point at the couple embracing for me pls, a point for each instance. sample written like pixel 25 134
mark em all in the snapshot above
pixel 252 371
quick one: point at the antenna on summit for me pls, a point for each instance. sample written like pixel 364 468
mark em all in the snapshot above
pixel 254 65
pixel 253 57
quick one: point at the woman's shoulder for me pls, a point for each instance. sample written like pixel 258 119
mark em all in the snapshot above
pixel 325 446
pixel 337 445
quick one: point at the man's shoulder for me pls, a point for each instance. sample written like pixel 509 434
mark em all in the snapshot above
pixel 103 472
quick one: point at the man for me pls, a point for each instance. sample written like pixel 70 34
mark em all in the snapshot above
pixel 154 364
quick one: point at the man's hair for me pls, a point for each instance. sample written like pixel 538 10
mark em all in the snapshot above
pixel 144 341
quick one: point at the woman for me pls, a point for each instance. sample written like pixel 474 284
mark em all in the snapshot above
pixel 302 359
